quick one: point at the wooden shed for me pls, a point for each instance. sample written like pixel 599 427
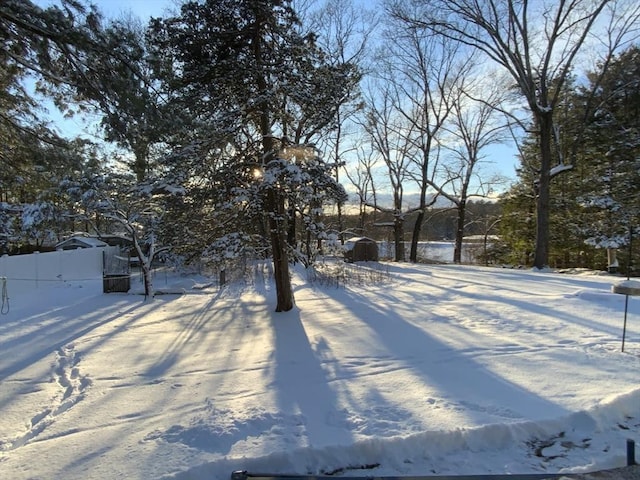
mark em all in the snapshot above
pixel 360 249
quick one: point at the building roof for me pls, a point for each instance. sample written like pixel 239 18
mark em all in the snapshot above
pixel 359 239
pixel 80 242
pixel 350 243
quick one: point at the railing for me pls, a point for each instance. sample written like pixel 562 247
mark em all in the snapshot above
pixel 531 476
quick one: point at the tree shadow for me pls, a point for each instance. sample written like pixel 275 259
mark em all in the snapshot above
pixel 301 384
pixel 441 367
pixel 484 288
pixel 192 331
pixel 71 323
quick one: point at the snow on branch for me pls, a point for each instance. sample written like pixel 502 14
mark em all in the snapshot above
pixel 558 169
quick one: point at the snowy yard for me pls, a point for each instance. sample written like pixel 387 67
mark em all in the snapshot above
pixel 439 369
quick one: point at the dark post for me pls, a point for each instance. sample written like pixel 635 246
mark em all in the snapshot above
pixel 624 325
pixel 631 452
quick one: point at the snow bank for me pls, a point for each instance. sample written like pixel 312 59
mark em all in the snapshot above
pixel 464 451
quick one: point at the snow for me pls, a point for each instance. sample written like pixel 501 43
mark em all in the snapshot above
pixel 436 369
pixel 626 287
pixel 560 168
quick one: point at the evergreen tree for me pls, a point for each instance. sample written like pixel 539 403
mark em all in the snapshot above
pixel 611 187
pixel 48 213
pixel 517 226
pixel 28 34
pixel 595 206
pixel 248 79
pixel 69 57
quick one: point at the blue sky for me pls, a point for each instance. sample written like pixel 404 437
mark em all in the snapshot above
pixel 114 8
pixel 141 8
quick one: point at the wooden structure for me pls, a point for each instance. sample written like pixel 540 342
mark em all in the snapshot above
pixel 360 249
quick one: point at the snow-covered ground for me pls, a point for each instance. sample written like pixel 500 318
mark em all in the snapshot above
pixel 433 369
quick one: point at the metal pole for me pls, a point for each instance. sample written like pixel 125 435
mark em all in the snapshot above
pixel 629 262
pixel 626 297
pixel 624 325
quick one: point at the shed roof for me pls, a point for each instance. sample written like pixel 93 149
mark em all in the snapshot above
pixel 359 239
pixel 349 243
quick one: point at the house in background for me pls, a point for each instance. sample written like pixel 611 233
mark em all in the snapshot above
pixel 80 241
pixel 86 240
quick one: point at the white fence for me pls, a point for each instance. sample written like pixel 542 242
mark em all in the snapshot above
pixel 26 273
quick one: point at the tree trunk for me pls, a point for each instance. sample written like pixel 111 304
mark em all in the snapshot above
pixel 141 164
pixel 362 217
pixel 398 237
pixel 145 264
pixel 415 237
pixel 337 160
pixel 291 230
pixel 340 224
pixel 276 212
pixel 541 254
pixel 457 250
pixel 277 229
pixel 275 201
pixel 148 282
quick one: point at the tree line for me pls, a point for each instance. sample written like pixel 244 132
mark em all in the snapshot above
pixel 227 127
pixel 595 205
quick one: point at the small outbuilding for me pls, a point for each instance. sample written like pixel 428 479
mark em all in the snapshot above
pixel 360 249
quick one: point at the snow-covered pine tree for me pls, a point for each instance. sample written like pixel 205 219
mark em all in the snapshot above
pixel 248 78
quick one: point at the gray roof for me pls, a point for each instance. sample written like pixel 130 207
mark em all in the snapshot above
pixel 81 242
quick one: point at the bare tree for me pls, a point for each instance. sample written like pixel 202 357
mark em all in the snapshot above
pixel 538 44
pixel 425 72
pixel 361 177
pixel 344 33
pixel 391 141
pixel 474 124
